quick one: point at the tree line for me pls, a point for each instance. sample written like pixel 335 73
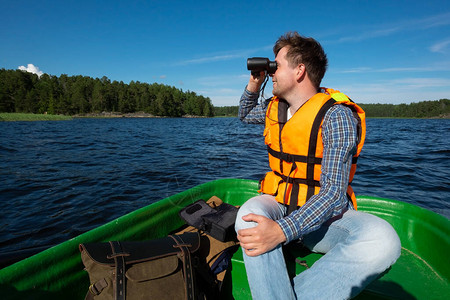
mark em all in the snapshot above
pixel 424 109
pixel 24 92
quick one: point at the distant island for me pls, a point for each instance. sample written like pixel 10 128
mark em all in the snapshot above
pixel 83 96
pixel 423 109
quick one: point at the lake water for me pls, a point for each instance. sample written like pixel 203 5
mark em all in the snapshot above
pixel 60 179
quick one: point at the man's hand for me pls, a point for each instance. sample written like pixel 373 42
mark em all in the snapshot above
pixel 255 82
pixel 262 238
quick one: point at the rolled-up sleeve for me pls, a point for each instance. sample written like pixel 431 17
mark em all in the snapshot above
pixel 250 111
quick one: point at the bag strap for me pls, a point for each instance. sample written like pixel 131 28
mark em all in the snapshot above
pixel 95 289
pixel 187 265
pixel 120 283
pixel 119 259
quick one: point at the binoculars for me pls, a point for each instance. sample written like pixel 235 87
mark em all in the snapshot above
pixel 258 64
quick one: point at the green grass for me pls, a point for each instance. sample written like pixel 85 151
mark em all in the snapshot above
pixel 32 117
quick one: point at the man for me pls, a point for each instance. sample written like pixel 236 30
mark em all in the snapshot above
pixel 313 136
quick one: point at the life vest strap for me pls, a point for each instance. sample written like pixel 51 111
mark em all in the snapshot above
pixel 294 199
pixel 298 180
pixel 291 158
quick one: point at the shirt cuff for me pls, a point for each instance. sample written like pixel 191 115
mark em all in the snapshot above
pixel 291 232
pixel 249 94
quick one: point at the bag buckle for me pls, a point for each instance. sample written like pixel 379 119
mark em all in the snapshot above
pixel 96 288
pixel 93 290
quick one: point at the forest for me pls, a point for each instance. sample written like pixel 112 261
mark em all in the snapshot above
pixel 423 109
pixel 24 92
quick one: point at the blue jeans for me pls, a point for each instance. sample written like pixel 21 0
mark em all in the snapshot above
pixel 358 247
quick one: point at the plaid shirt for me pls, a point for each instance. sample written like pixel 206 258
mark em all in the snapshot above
pixel 340 142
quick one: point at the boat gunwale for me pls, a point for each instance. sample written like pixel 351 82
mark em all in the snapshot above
pixel 224 188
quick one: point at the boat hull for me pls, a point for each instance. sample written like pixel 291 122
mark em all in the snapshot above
pixel 422 271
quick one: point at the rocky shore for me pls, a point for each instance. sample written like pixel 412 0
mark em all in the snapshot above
pixel 140 114
pixel 105 114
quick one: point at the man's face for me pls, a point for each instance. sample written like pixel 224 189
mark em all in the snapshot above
pixel 284 78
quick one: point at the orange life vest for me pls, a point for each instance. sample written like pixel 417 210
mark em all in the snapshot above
pixel 296 148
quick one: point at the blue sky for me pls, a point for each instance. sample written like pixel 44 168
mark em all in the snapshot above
pixel 381 51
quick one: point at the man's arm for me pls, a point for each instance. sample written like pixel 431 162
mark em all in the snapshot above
pixel 250 111
pixel 340 142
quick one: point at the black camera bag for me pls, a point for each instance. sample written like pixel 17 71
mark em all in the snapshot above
pixel 215 221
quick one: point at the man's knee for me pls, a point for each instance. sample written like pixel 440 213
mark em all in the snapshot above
pixel 263 205
pixel 382 240
pixel 388 242
pixel 250 206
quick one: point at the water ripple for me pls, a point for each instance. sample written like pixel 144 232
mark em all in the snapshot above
pixel 60 179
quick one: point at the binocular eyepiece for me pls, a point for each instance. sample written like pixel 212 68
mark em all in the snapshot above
pixel 258 64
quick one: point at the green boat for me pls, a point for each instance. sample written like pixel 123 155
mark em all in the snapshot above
pixel 422 271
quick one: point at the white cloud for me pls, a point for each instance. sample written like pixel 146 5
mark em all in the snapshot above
pixel 31 69
pixel 226 90
pixel 224 97
pixel 156 77
pixel 421 83
pixel 395 91
pixel 209 59
pixel 223 56
pixel 389 29
pixel 441 46
pixel 401 90
pixel 441 66
pixel 354 70
pixel 435 21
pixel 222 81
pixel 370 34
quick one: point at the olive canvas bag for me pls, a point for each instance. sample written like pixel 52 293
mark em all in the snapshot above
pixel 155 269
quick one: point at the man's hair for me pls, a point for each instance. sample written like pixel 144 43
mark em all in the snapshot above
pixel 303 50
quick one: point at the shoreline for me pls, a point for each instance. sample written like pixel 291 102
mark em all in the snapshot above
pixel 139 114
pixel 16 117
